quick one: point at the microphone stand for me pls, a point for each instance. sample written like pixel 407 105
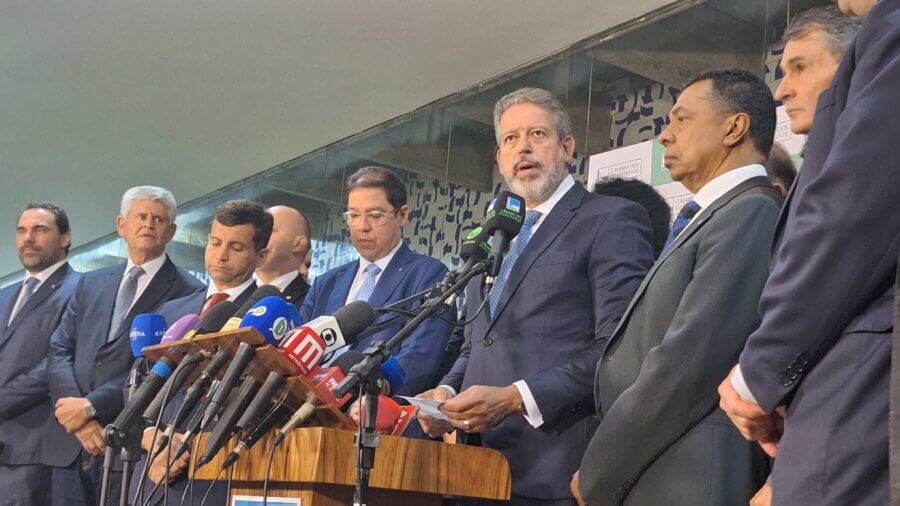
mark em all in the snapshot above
pixel 131 444
pixel 360 376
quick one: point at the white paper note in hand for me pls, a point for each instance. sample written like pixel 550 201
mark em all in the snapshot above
pixel 427 406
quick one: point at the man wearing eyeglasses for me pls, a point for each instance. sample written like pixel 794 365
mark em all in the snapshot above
pixel 387 271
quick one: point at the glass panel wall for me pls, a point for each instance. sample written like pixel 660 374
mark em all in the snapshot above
pixel 617 85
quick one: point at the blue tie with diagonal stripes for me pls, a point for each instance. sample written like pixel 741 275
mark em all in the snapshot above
pixel 531 217
pixel 681 222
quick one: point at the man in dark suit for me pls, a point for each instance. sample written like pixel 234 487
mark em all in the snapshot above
pixel 288 249
pixel 29 312
pixel 387 271
pixel 523 377
pixel 812 382
pixel 90 354
pixel 238 235
pixel 662 438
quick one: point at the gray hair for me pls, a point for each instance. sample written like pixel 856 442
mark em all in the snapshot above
pixel 837 27
pixel 154 193
pixel 539 97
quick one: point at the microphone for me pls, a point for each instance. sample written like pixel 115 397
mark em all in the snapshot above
pixel 304 348
pixel 195 391
pixel 273 418
pixel 392 418
pixel 475 248
pixel 394 375
pixel 241 360
pixel 262 401
pixel 259 294
pixel 343 327
pixel 225 428
pixel 147 329
pixel 173 384
pixel 214 319
pixel 502 222
pixel 273 317
pixel 180 328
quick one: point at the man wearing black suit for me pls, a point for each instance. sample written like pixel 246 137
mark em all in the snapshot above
pixel 288 249
pixel 524 372
pixel 238 235
pixel 812 383
pixel 662 438
pixel 90 354
pixel 29 312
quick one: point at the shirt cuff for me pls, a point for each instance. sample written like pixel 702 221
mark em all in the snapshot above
pixel 449 389
pixel 532 412
pixel 737 381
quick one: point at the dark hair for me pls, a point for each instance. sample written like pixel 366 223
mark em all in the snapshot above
pixel 59 215
pixel 739 91
pixel 638 191
pixel 837 27
pixel 379 177
pixel 244 212
pixel 780 167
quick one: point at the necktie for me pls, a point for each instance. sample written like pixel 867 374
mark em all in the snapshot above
pixel 531 217
pixel 681 221
pixel 27 291
pixel 368 286
pixel 212 301
pixel 124 300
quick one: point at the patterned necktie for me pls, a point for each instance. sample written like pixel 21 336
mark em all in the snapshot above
pixel 681 222
pixel 212 301
pixel 531 217
pixel 124 300
pixel 368 286
pixel 27 291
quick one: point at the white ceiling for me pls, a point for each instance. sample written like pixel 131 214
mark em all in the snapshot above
pixel 100 95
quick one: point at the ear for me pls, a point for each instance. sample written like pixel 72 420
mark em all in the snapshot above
pixel 569 146
pixel 301 243
pixel 261 256
pixel 65 240
pixel 120 226
pixel 781 190
pixel 736 128
pixel 403 215
pixel 171 233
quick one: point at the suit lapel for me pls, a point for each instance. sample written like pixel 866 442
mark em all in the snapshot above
pixel 46 288
pixel 684 237
pixel 8 306
pixel 159 287
pixel 391 277
pixel 242 297
pixel 342 282
pixel 550 228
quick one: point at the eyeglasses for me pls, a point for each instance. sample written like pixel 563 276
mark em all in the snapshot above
pixel 376 218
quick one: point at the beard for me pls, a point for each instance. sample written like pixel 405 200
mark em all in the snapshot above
pixel 43 260
pixel 539 188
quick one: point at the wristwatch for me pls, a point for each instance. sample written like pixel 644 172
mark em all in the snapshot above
pixel 89 410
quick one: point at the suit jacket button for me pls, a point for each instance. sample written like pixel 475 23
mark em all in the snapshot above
pixel 98 363
pixel 487 341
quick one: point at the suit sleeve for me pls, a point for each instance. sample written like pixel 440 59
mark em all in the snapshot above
pixel 454 377
pixel 420 354
pixel 309 302
pixel 24 391
pixel 676 385
pixel 621 255
pixel 839 246
pixel 61 360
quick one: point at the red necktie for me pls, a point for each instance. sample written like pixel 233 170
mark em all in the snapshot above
pixel 212 301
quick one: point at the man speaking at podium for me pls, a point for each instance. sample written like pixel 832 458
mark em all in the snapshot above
pixel 523 379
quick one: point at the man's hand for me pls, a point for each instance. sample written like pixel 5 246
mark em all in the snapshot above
pixel 91 438
pixel 432 426
pixel 157 472
pixel 750 419
pixel 573 487
pixel 70 413
pixel 763 497
pixel 480 408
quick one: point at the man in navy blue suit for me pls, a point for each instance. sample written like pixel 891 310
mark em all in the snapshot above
pixel 386 271
pixel 812 383
pixel 90 354
pixel 238 236
pixel 524 377
pixel 29 312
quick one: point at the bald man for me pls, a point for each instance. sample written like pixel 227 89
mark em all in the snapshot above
pixel 288 248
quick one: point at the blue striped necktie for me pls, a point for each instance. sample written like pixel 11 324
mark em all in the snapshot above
pixel 531 217
pixel 687 212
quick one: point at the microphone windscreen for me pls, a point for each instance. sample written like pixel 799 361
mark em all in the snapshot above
pixel 181 327
pixel 216 317
pixel 347 360
pixel 259 294
pixel 326 380
pixel 272 317
pixel 304 348
pixel 505 213
pixel 389 413
pixel 353 318
pixel 475 246
pixel 394 375
pixel 147 329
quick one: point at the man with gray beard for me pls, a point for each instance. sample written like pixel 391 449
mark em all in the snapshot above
pixel 523 380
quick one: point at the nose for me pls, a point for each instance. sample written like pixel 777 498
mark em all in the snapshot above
pixel 665 137
pixel 783 89
pixel 525 145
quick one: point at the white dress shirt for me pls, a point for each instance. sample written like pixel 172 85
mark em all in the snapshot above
pixel 233 292
pixel 150 269
pixel 41 277
pixel 382 263
pixel 282 282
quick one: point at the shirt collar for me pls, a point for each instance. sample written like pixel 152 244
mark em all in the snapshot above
pixel 151 267
pixel 233 292
pixel 546 206
pixel 45 274
pixel 282 282
pixel 723 183
pixel 383 262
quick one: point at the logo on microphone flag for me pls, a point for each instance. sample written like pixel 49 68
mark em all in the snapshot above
pixel 303 347
pixel 280 327
pixel 513 204
pixel 258 311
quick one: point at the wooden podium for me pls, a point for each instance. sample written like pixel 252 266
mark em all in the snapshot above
pixel 317 464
